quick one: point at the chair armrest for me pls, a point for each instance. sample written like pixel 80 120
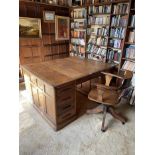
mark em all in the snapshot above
pixel 101 86
pixel 122 74
pixel 113 75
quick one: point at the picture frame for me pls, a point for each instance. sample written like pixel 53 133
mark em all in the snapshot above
pixel 62 28
pixel 49 16
pixel 30 27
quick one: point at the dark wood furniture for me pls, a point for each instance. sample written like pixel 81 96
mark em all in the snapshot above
pixel 109 96
pixel 52 85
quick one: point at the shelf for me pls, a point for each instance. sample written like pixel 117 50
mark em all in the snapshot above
pixel 97 35
pixel 131 27
pixel 129 59
pixel 98 25
pixel 116 38
pixel 77 45
pixel 78 18
pixel 99 14
pixel 115 48
pixel 129 43
pixel 79 28
pixel 41 3
pixel 98 45
pixel 118 26
pixel 119 14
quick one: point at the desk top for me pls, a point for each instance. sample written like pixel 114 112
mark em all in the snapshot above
pixel 61 71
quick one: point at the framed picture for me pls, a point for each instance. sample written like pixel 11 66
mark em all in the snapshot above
pixel 29 27
pixel 62 28
pixel 49 16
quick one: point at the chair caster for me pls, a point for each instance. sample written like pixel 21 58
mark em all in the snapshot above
pixel 103 130
pixel 123 123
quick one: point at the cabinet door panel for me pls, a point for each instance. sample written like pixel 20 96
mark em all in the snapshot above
pixel 35 95
pixel 50 108
pixel 41 98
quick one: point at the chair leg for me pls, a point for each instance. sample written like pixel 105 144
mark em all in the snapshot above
pixel 104 116
pixel 115 115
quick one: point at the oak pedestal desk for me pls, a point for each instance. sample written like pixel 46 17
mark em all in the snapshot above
pixel 52 86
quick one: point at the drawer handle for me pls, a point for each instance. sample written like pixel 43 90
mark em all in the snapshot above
pixel 66 107
pixel 67 115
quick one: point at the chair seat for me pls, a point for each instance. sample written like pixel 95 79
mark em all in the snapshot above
pixel 106 97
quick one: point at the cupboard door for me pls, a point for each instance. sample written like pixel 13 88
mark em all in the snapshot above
pixel 50 109
pixel 41 98
pixel 35 95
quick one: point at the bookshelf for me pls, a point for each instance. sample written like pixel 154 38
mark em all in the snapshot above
pixel 78 27
pixel 128 53
pixel 110 30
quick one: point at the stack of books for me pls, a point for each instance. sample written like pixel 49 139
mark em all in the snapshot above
pixel 99 9
pixel 96 53
pixel 131 38
pixel 104 20
pixel 129 65
pixel 98 31
pixel 79 42
pixel 130 52
pixel 78 34
pixel 115 43
pixel 117 32
pixel 122 8
pixel 119 21
pixel 77 24
pixel 79 13
pixel 132 24
pixel 113 56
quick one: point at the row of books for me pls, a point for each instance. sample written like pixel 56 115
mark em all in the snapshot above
pixel 131 38
pixel 78 41
pixel 129 65
pixel 98 31
pixel 96 53
pixel 104 20
pixel 115 43
pixel 121 8
pixel 77 51
pixel 132 24
pixel 99 9
pixel 130 52
pixel 113 56
pixel 119 20
pixel 117 32
pixel 98 41
pixel 78 34
pixel 79 13
pixel 77 24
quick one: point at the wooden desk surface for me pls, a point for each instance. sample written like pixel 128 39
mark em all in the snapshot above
pixel 61 71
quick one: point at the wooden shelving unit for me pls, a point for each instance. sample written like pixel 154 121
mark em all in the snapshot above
pixel 78 33
pixel 129 42
pixel 118 27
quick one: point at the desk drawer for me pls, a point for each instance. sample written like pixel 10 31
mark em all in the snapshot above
pixel 66 115
pixel 65 106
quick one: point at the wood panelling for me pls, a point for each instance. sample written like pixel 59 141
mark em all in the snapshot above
pixel 46 48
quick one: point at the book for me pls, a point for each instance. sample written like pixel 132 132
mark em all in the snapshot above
pixel 130 52
pixel 122 8
pixel 117 32
pixel 128 65
pixel 131 38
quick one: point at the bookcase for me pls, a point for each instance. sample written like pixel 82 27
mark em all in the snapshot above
pixel 78 31
pixel 109 30
pixel 128 54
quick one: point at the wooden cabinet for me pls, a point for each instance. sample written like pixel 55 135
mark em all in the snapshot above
pixel 58 105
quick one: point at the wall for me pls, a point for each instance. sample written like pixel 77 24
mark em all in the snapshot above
pixel 46 48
